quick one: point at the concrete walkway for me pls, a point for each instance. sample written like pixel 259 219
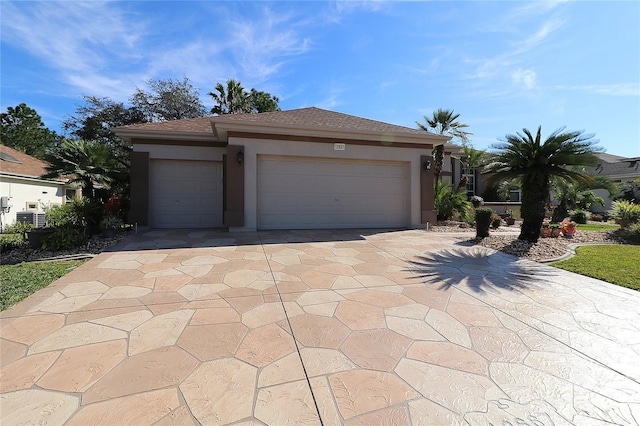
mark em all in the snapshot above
pixel 319 327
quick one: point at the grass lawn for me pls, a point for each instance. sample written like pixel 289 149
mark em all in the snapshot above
pixel 19 281
pixel 597 227
pixel 617 264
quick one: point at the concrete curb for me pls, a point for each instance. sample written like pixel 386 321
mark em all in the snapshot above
pixel 571 251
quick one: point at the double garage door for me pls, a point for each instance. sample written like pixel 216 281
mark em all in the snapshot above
pixel 312 193
pixel 185 194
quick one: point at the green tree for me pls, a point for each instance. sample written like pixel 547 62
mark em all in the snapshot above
pixel 263 101
pixel 571 196
pixel 94 120
pixel 534 163
pixel 84 163
pixel 169 100
pixel 22 129
pixel 444 122
pixel 232 99
pixel 471 159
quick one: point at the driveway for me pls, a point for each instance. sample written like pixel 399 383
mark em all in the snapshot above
pixel 320 327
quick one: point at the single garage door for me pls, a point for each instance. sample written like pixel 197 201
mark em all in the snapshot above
pixel 185 194
pixel 312 193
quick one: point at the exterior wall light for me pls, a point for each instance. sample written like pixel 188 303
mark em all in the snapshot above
pixel 427 165
pixel 240 157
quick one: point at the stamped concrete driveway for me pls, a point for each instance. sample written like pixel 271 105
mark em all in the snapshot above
pixel 320 327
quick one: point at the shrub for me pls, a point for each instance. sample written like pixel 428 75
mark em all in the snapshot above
pixel 64 239
pixel 18 228
pixel 449 201
pixel 61 216
pixel 476 201
pixel 579 216
pixel 596 217
pixel 632 233
pixel 496 221
pixel 625 210
pixel 483 220
pixel 9 242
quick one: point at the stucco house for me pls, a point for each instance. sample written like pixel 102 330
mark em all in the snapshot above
pixel 21 183
pixel 620 170
pixel 306 168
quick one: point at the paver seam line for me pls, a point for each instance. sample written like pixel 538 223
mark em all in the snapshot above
pixel 295 341
pixel 528 325
pixel 608 367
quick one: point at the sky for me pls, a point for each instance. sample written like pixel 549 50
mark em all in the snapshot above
pixel 502 65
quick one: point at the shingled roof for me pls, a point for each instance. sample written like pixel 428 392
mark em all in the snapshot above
pixel 17 163
pixel 303 118
pixel 318 118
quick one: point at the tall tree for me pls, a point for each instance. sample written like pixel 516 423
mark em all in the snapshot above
pixel 169 100
pixel 232 99
pixel 534 163
pixel 94 120
pixel 263 101
pixel 444 122
pixel 22 129
pixel 84 163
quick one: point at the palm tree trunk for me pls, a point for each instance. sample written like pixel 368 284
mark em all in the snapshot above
pixel 534 194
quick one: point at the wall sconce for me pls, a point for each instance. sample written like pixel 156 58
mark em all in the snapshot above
pixel 427 165
pixel 240 157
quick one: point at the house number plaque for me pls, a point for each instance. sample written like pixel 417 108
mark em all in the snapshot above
pixel 339 146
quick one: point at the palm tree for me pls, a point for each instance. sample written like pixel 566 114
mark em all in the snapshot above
pixel 572 196
pixel 534 163
pixel 232 100
pixel 84 163
pixel 443 122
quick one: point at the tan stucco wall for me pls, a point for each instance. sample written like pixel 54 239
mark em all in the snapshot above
pixel 255 147
pixel 178 152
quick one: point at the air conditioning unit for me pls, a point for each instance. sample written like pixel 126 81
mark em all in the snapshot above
pixel 34 218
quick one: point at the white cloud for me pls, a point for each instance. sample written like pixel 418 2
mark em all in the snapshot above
pixel 621 89
pixel 524 77
pixel 106 49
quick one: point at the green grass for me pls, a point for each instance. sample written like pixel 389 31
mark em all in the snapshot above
pixel 597 227
pixel 617 264
pixel 19 281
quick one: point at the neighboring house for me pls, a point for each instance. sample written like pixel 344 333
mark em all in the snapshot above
pixel 620 170
pixel 306 168
pixel 20 181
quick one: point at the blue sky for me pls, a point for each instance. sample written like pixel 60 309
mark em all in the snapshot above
pixel 501 65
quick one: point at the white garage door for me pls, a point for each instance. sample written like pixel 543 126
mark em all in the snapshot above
pixel 312 193
pixel 185 194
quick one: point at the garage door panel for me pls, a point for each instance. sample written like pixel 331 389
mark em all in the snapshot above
pixel 327 193
pixel 186 194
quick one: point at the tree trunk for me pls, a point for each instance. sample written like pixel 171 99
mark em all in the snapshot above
pixel 438 159
pixel 534 195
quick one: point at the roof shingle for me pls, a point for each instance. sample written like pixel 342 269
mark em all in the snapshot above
pixel 27 165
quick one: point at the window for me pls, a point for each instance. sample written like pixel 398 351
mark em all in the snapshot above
pixel 32 205
pixel 514 195
pixel 470 175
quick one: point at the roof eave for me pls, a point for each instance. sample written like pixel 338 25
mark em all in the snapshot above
pixel 221 129
pixel 129 134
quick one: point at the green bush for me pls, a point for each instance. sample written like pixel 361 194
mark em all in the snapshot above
pixel 496 221
pixel 61 216
pixel 450 201
pixel 18 228
pixel 632 233
pixel 579 216
pixel 625 210
pixel 483 221
pixel 64 239
pixel 9 242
